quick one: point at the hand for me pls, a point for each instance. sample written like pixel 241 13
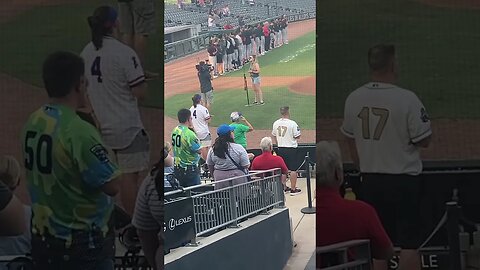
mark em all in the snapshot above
pixel 243 118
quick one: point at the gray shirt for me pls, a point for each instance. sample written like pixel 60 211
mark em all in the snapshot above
pixel 236 151
pixel 17 245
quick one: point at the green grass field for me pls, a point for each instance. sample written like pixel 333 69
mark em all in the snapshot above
pixel 30 37
pixel 295 59
pixel 261 117
pixel 437 51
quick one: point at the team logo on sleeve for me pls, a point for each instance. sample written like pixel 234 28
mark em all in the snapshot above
pixel 100 152
pixel 424 116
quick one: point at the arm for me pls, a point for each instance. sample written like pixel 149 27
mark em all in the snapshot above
pixel 274 140
pixel 353 152
pixel 150 244
pixel 425 142
pixel 250 127
pixel 12 215
pixel 419 125
pixel 140 91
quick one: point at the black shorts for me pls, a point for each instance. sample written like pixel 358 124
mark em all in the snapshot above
pixel 292 157
pixel 396 199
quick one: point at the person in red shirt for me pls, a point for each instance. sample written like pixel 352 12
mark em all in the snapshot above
pixel 267 161
pixel 340 220
pixel 266 34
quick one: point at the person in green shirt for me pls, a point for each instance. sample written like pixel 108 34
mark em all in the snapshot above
pixel 241 130
pixel 186 150
pixel 70 176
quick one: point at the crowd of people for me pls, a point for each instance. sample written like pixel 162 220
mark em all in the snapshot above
pixel 227 156
pixel 387 154
pixel 84 147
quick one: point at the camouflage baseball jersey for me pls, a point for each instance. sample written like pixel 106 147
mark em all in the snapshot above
pixel 66 165
pixel 185 146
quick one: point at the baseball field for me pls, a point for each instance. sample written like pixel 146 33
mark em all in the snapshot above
pixel 437 45
pixel 288 78
pixel 30 30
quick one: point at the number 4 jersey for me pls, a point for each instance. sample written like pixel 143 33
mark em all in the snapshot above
pixel 112 72
pixel 386 121
pixel 66 165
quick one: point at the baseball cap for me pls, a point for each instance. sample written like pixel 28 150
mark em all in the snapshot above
pixel 235 116
pixel 224 129
pixel 197 97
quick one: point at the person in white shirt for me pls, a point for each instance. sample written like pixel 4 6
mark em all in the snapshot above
pixel 286 133
pixel 200 119
pixel 116 80
pixel 386 126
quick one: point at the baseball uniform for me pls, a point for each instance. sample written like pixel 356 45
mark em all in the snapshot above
pixel 66 166
pixel 200 116
pixel 112 72
pixel 386 121
pixel 286 131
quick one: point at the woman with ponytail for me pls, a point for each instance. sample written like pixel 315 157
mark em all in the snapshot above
pixel 115 82
pixel 227 159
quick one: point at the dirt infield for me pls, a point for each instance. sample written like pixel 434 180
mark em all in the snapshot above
pixel 464 4
pixel 181 77
pixel 20 99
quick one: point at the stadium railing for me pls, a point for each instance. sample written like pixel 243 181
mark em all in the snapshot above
pixel 203 210
pixel 339 256
pixel 178 49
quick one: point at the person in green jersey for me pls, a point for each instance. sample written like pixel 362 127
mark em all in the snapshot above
pixel 70 177
pixel 240 129
pixel 186 150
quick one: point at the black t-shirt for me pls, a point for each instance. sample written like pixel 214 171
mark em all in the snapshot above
pixel 5 196
pixel 212 50
pixel 248 35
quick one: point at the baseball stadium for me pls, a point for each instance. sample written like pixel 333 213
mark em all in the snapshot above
pixel 281 237
pixel 31 30
pixel 436 45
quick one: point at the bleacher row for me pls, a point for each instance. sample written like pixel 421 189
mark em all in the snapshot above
pixel 192 14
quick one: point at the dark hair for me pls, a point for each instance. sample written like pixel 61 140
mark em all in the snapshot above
pixel 62 72
pixel 284 110
pixel 195 101
pixel 101 24
pixel 220 147
pixel 380 57
pixel 183 115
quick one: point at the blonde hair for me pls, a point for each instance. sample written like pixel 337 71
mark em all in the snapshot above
pixel 9 171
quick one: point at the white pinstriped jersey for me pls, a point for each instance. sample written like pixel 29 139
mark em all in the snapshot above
pixel 112 72
pixel 385 121
pixel 200 116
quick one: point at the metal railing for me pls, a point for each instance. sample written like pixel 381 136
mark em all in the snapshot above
pixel 338 253
pixel 214 209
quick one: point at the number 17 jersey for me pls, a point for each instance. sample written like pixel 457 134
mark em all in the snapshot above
pixel 386 121
pixel 112 72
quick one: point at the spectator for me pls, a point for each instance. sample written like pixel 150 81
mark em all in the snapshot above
pixel 180 4
pixel 212 50
pixel 266 35
pixel 241 22
pixel 389 158
pixel 186 150
pixel 14 245
pixel 169 180
pixel 267 161
pixel 240 130
pixel 200 120
pixel 287 133
pixel 338 219
pixel 251 3
pixel 12 217
pixel 210 22
pixel 227 159
pixel 75 188
pixel 148 217
pixel 226 11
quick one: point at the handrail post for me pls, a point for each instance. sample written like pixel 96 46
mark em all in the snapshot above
pixel 453 217
pixel 310 209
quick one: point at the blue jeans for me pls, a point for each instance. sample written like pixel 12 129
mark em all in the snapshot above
pixel 187 177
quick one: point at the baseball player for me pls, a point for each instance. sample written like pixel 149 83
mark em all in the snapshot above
pixel 116 82
pixel 70 177
pixel 186 150
pixel 137 23
pixel 385 126
pixel 200 119
pixel 286 133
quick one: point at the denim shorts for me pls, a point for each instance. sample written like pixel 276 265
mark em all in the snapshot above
pixel 256 80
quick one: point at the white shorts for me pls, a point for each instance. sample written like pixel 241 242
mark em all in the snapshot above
pixel 207 141
pixel 135 157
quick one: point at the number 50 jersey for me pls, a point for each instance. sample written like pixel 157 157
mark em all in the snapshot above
pixel 112 72
pixel 386 122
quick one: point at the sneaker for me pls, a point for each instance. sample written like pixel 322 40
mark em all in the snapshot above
pixel 255 103
pixel 287 189
pixel 295 192
pixel 215 76
pixel 262 103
